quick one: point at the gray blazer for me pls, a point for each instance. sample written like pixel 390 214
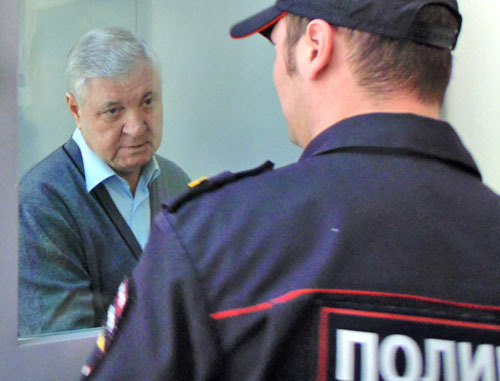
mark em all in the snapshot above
pixel 74 246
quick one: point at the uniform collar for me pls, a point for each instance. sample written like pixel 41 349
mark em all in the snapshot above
pixel 398 132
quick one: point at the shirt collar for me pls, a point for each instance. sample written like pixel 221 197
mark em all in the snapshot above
pixel 151 171
pixel 96 170
pixel 405 132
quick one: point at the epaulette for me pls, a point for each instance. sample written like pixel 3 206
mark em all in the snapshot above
pixel 205 184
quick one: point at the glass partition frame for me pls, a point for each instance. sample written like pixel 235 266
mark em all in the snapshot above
pixel 46 358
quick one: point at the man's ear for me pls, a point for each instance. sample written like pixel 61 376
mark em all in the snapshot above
pixel 74 108
pixel 318 43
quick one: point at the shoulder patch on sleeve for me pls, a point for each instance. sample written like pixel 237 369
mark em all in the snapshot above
pixel 115 314
pixel 204 185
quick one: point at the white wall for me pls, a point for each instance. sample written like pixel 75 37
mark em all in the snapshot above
pixel 473 100
pixel 221 109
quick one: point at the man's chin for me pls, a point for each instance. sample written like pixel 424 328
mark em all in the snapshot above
pixel 132 165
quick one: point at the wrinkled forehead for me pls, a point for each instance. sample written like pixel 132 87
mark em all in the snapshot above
pixel 102 92
pixel 142 78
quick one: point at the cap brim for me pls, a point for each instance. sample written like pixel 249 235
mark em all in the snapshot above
pixel 257 23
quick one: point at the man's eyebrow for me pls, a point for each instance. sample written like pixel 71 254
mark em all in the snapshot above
pixel 110 104
pixel 118 103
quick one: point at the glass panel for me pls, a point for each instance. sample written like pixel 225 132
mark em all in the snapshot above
pixel 208 126
pixel 47 31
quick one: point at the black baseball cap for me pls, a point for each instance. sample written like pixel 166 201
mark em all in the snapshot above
pixel 390 18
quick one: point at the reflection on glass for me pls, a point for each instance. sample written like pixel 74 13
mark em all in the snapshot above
pixel 85 209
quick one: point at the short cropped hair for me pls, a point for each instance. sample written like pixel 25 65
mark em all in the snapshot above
pixel 383 65
pixel 295 28
pixel 105 52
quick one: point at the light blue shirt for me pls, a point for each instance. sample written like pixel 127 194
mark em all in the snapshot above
pixel 135 209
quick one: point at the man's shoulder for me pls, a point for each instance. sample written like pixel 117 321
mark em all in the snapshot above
pixel 54 170
pixel 163 162
pixel 169 167
pixel 45 166
pixel 224 185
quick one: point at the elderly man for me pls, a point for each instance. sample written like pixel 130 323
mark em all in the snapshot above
pixel 373 257
pixel 85 210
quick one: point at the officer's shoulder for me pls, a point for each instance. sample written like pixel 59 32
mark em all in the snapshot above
pixel 206 185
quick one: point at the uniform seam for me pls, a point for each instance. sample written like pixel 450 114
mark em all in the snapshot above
pixel 196 273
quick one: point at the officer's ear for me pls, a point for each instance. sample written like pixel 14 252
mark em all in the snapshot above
pixel 317 47
pixel 74 108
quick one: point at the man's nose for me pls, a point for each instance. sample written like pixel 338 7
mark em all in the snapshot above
pixel 135 124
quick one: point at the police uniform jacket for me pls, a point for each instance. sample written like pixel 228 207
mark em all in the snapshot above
pixel 380 238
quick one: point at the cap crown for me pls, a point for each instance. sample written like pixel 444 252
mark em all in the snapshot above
pixel 390 18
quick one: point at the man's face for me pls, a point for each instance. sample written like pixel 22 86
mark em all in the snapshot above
pixel 285 78
pixel 121 119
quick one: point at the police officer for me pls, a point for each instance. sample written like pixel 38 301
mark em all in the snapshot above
pixel 372 257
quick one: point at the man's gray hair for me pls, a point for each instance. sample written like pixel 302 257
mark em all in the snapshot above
pixel 109 52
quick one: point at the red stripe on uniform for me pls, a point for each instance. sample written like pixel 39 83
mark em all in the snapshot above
pixel 241 311
pixel 411 318
pixel 323 347
pixel 298 293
